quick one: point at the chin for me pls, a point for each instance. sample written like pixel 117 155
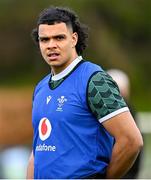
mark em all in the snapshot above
pixel 55 64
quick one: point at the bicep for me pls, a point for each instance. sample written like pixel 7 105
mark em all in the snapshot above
pixel 121 125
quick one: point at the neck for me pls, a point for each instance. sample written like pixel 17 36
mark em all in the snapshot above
pixel 66 71
pixel 57 69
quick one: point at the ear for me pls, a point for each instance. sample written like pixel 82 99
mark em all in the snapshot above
pixel 74 39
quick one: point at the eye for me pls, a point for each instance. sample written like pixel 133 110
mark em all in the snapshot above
pixel 60 37
pixel 43 39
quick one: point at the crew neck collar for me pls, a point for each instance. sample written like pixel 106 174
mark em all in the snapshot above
pixel 67 70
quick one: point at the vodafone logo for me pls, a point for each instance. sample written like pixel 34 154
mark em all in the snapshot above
pixel 44 128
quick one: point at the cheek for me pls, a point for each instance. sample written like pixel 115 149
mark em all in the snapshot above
pixel 41 49
pixel 65 49
pixel 69 46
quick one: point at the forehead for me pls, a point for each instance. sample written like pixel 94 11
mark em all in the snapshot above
pixel 54 29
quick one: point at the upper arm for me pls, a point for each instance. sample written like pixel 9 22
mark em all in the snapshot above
pixel 122 126
pixel 109 107
pixel 104 98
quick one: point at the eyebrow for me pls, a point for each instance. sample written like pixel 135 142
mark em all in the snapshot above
pixel 54 36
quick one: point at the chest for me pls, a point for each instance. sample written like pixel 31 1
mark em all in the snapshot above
pixel 64 104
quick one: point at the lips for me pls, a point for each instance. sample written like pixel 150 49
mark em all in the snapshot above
pixel 53 56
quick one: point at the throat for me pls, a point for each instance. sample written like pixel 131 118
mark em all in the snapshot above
pixel 60 68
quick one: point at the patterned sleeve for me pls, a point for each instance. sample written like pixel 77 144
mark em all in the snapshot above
pixel 104 98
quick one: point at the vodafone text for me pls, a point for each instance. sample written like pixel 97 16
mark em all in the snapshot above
pixel 43 147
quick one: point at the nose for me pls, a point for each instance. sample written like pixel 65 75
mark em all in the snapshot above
pixel 51 44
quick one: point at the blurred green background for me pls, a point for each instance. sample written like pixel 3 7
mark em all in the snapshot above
pixel 120 37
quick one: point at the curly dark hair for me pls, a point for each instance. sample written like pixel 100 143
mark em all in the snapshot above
pixel 55 15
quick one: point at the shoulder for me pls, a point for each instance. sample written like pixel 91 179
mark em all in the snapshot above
pixel 84 72
pixel 89 66
pixel 87 69
pixel 104 85
pixel 102 78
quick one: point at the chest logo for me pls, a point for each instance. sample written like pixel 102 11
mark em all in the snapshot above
pixel 61 102
pixel 44 128
pixel 48 99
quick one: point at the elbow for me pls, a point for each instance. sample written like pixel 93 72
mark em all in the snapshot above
pixel 141 143
pixel 136 143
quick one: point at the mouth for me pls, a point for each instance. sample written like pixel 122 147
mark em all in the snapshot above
pixel 53 56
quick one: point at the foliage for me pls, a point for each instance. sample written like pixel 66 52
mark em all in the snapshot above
pixel 120 37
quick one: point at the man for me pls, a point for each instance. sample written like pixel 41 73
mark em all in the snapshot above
pixel 82 126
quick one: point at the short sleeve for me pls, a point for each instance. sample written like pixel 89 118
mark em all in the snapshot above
pixel 104 98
